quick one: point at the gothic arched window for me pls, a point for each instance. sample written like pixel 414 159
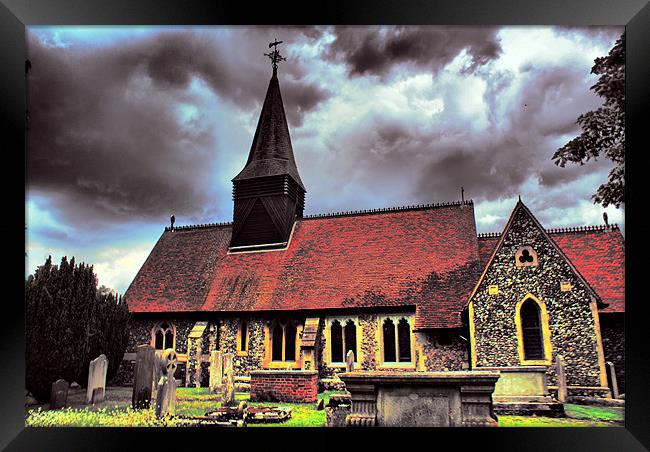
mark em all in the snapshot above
pixel 531 330
pixel 336 336
pixel 404 341
pixel 163 336
pixel 396 340
pixel 389 341
pixel 342 339
pixel 242 338
pixel 283 340
pixel 350 338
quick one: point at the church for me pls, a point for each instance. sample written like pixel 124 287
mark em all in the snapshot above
pixel 405 289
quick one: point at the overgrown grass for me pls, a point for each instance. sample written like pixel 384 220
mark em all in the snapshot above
pixel 198 401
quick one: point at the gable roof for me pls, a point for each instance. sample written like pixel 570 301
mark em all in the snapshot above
pixel 598 252
pixel 425 257
pixel 271 153
pixel 521 207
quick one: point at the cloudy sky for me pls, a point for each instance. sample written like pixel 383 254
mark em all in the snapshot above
pixel 129 125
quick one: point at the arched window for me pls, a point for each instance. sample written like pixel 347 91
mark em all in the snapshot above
pixel 404 340
pixel 531 330
pixel 342 339
pixel 389 341
pixel 163 336
pixel 242 338
pixel 283 340
pixel 350 334
pixel 336 336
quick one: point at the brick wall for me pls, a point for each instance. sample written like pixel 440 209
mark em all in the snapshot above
pixel 284 386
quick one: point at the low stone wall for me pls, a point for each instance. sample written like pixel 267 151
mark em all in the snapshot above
pixel 284 385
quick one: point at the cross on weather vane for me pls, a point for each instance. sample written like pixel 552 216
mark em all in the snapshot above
pixel 275 55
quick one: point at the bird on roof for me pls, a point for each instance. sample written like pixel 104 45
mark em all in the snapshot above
pixel 605 218
pixel 173 220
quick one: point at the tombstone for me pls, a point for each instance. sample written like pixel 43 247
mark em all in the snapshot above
pixel 96 379
pixel 166 391
pixel 216 371
pixel 228 391
pixel 143 377
pixel 611 379
pixel 59 396
pixel 349 361
pixel 561 379
pixel 320 405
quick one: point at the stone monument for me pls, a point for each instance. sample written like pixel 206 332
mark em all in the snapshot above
pixel 97 379
pixel 59 396
pixel 349 361
pixel 561 379
pixel 216 371
pixel 228 392
pixel 143 377
pixel 611 374
pixel 166 386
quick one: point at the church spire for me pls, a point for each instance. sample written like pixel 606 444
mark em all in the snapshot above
pixel 268 192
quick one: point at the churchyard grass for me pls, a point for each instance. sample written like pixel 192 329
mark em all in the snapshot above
pixel 116 412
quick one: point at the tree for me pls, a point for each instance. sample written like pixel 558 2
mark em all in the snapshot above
pixel 68 323
pixel 603 130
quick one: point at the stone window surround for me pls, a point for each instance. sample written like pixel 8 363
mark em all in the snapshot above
pixel 533 254
pixel 267 362
pixel 328 340
pixel 157 327
pixel 241 352
pixel 546 333
pixel 379 354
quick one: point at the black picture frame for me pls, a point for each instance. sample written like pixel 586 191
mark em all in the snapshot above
pixel 16 14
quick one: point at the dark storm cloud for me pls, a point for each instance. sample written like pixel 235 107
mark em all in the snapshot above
pixel 105 139
pixel 376 50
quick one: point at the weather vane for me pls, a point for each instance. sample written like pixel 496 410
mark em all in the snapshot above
pixel 275 55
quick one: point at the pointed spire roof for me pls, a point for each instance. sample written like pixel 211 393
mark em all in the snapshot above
pixel 271 153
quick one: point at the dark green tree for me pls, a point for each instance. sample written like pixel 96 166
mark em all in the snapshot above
pixel 603 130
pixel 68 323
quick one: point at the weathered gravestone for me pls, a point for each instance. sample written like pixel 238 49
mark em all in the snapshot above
pixel 611 379
pixel 166 392
pixel 228 392
pixel 216 371
pixel 561 379
pixel 143 377
pixel 349 361
pixel 97 379
pixel 59 396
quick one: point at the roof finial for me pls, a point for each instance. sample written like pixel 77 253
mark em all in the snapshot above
pixel 519 198
pixel 275 55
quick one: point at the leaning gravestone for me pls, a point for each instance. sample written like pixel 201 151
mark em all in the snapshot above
pixel 228 392
pixel 143 377
pixel 97 379
pixel 166 393
pixel 59 397
pixel 613 384
pixel 216 371
pixel 561 379
pixel 349 361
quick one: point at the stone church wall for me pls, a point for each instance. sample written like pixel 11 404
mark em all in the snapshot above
pixel 573 332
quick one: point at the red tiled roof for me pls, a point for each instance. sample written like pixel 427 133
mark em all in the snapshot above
pixel 597 252
pixel 427 258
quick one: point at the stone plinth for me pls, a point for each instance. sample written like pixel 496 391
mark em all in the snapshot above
pixel 284 385
pixel 424 399
pixel 524 391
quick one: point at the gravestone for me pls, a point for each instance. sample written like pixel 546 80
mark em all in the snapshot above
pixel 59 396
pixel 611 379
pixel 166 391
pixel 228 392
pixel 349 361
pixel 143 377
pixel 561 379
pixel 96 379
pixel 216 371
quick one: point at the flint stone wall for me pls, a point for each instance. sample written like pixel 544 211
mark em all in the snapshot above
pixel 571 321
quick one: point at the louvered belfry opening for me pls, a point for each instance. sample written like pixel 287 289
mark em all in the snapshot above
pixel 268 193
pixel 531 330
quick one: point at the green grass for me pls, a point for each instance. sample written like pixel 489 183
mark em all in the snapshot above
pixel 116 412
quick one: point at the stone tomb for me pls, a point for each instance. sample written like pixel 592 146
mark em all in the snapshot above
pixel 143 377
pixel 59 396
pixel 524 391
pixel 421 399
pixel 97 379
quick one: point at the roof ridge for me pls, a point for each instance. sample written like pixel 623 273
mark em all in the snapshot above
pixel 198 226
pixel 348 213
pixel 598 228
